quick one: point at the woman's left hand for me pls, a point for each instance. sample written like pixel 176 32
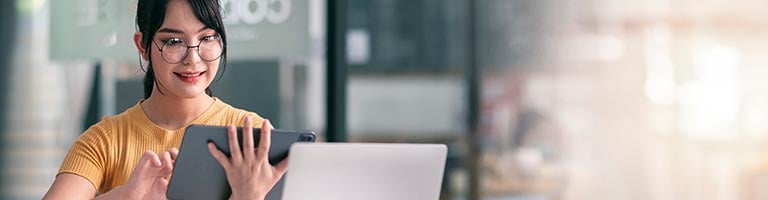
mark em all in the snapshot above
pixel 249 173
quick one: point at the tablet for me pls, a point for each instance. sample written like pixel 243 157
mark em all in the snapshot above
pixel 198 175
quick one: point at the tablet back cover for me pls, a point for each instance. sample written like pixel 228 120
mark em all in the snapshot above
pixel 198 175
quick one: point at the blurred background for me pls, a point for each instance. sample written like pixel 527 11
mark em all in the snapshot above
pixel 536 99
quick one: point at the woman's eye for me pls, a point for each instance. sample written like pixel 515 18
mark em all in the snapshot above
pixel 173 41
pixel 211 38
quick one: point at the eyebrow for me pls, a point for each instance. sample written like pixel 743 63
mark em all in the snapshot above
pixel 177 31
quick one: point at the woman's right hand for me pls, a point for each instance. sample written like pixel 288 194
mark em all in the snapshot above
pixel 149 179
pixel 249 172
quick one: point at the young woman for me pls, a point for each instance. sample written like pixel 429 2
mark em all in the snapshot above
pixel 131 155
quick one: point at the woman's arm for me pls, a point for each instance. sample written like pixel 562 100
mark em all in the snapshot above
pixel 70 186
pixel 149 180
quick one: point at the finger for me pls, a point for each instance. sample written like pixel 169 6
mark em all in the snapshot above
pixel 167 168
pixel 144 160
pixel 165 157
pixel 264 140
pixel 218 155
pixel 151 158
pixel 154 163
pixel 144 163
pixel 234 147
pixel 174 153
pixel 143 171
pixel 282 167
pixel 248 153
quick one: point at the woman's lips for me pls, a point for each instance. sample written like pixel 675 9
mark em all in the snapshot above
pixel 189 77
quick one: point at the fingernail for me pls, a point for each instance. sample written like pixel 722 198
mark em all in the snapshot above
pixel 247 119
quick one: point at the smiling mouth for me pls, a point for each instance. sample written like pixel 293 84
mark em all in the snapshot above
pixel 189 76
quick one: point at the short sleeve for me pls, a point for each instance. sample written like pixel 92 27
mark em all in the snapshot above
pixel 88 155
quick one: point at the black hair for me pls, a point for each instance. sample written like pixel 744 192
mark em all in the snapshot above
pixel 150 15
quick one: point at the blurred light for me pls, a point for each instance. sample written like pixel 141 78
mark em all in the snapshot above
pixel 715 62
pixel 710 102
pixel 660 75
pixel 601 48
pixel 358 46
pixel 316 18
pixel 29 6
pixel 529 158
pixel 611 47
pixel 754 116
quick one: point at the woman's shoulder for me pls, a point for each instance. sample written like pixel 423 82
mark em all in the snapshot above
pixel 228 112
pixel 101 130
pixel 108 124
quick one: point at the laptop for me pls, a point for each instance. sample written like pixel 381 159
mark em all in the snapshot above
pixel 354 171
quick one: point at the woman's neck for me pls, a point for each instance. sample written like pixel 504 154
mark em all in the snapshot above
pixel 171 112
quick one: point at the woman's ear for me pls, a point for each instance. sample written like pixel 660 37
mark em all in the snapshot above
pixel 140 45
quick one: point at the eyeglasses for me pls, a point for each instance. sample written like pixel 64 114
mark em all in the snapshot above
pixel 175 50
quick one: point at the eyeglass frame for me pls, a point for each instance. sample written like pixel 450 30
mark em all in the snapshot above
pixel 186 51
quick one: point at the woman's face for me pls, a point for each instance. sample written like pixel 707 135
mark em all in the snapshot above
pixel 179 75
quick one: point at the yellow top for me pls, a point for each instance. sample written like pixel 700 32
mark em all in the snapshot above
pixel 108 151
